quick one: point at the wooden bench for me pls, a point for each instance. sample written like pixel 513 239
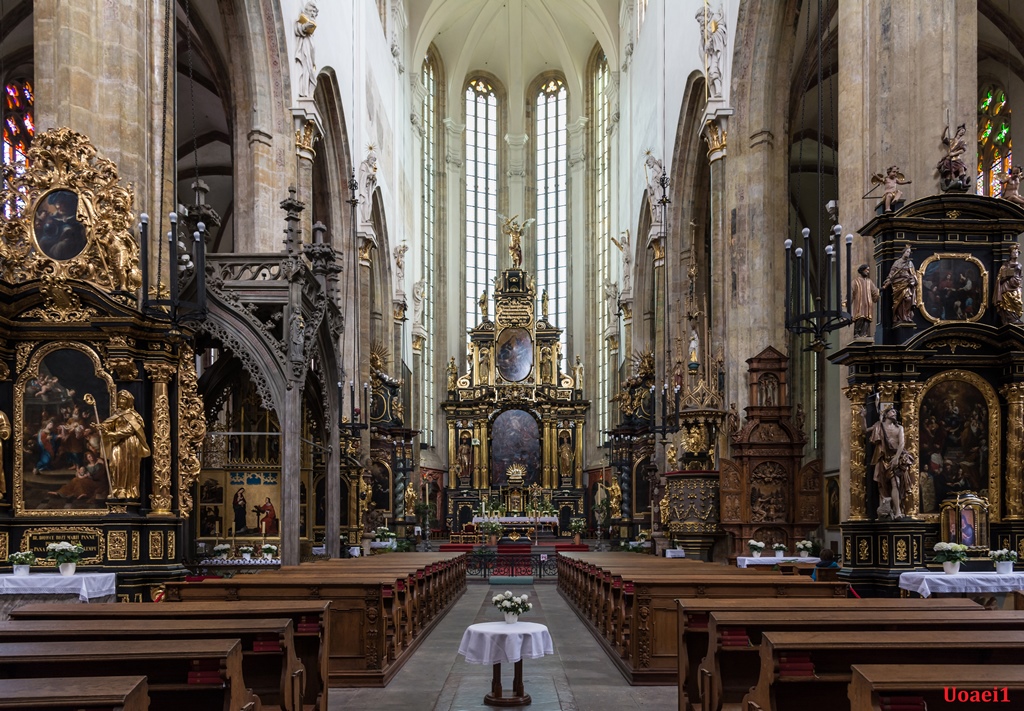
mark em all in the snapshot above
pixel 310 626
pixel 195 673
pixel 120 693
pixel 797 667
pixel 270 667
pixel 694 618
pixel 987 686
pixel 732 664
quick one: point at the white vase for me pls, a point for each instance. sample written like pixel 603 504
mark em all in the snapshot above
pixel 779 552
pixel 1004 567
pixel 511 618
pixel 67 568
pixel 951 567
pixel 21 569
pixel 803 554
pixel 247 556
pixel 755 554
pixel 268 556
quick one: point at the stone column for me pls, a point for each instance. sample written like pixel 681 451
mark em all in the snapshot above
pixel 718 257
pixel 367 242
pixel 306 134
pixel 516 173
pixel 856 498
pixel 910 394
pixel 160 498
pixel 1014 491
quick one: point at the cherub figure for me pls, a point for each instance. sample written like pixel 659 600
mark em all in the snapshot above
pixel 890 182
pixel 1011 185
pixel 952 169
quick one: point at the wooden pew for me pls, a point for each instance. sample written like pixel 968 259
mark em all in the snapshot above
pixel 732 664
pixel 121 693
pixel 310 626
pixel 801 666
pixel 167 667
pixel 270 667
pixel 992 686
pixel 694 618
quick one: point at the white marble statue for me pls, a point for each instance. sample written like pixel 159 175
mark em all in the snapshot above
pixel 419 293
pixel 367 184
pixel 654 169
pixel 611 296
pixel 713 39
pixel 625 246
pixel 400 251
pixel 304 55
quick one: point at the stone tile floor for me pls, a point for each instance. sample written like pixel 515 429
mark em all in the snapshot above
pixel 577 677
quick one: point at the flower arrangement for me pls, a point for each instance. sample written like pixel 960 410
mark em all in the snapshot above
pixel 507 602
pixel 222 549
pixel 491 528
pixel 268 549
pixel 1003 555
pixel 755 546
pixel 781 547
pixel 246 549
pixel 578 525
pixel 383 533
pixel 950 553
pixel 805 545
pixel 642 537
pixel 22 558
pixel 64 552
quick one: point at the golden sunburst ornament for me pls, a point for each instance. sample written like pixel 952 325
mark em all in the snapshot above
pixel 516 474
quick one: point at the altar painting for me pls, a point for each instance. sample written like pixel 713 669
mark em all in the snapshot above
pixel 56 228
pixel 952 287
pixel 955 448
pixel 515 438
pixel 515 354
pixel 60 460
pixel 254 504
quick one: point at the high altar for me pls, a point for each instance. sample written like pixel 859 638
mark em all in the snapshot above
pixel 515 420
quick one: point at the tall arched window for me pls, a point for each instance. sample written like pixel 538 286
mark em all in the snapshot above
pixel 481 193
pixel 995 150
pixel 601 149
pixel 552 198
pixel 18 121
pixel 429 215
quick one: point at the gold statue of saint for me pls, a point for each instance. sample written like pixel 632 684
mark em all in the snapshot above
pixel 515 232
pixel 124 441
pixel 615 498
pixel 410 499
pixel 5 433
pixel 482 301
pixel 664 510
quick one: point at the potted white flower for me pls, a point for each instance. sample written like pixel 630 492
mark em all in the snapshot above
pixel 577 526
pixel 222 550
pixel 22 561
pixel 756 547
pixel 951 555
pixel 1004 560
pixel 269 550
pixel 246 552
pixel 805 547
pixel 66 555
pixel 779 548
pixel 512 605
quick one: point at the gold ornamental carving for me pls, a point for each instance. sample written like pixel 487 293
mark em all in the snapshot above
pixel 885 550
pixel 857 395
pixel 901 551
pixel 5 371
pixel 136 545
pixel 306 137
pixel 5 545
pixel 156 545
pixel 847 550
pixel 1014 493
pixel 117 545
pixel 863 551
pixel 123 368
pixel 69 217
pixel 170 545
pixel 365 246
pixel 910 396
pixel 60 303
pixel 191 428
pixel 22 351
pixel 953 343
pixel 160 499
pixel 715 136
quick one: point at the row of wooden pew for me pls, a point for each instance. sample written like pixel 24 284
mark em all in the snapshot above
pixel 628 602
pixel 277 639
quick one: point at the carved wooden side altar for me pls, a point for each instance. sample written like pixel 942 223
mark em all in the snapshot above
pixel 99 400
pixel 515 420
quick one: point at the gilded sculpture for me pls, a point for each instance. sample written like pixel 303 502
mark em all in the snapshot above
pixel 615 498
pixel 1007 296
pixel 514 231
pixel 123 437
pixel 5 433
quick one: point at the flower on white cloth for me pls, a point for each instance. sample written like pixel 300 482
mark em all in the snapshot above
pixel 1002 555
pixel 804 545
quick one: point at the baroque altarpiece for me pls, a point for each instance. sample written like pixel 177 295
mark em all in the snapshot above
pixel 101 416
pixel 945 366
pixel 515 419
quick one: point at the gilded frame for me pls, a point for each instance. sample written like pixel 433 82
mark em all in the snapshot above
pixel 84 211
pixel 963 256
pixel 995 493
pixel 29 372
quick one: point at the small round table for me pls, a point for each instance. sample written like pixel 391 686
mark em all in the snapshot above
pixel 497 642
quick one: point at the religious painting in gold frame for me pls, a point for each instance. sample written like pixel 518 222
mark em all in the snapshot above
pixel 958 444
pixel 59 468
pixel 952 287
pixel 60 224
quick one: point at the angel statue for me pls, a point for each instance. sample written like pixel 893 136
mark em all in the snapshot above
pixel 515 232
pixel 890 182
pixel 952 169
pixel 1011 185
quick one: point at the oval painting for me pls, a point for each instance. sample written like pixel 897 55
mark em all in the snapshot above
pixel 58 232
pixel 515 354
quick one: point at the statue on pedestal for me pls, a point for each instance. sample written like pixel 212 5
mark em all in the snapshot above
pixel 902 280
pixel 1007 296
pixel 952 170
pixel 863 297
pixel 304 57
pixel 893 463
pixel 453 374
pixel 1011 186
pixel 890 183
pixel 124 442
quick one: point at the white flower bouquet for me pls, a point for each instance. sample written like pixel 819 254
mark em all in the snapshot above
pixel 512 604
pixel 64 552
pixel 804 545
pixel 755 546
pixel 950 553
pixel 246 549
pixel 222 550
pixel 22 558
pixel 779 546
pixel 268 549
pixel 383 533
pixel 1003 555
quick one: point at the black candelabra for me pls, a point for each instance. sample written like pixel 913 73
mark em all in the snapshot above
pixel 181 262
pixel 815 304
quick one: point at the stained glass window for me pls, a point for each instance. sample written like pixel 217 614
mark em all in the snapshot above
pixel 552 193
pixel 18 125
pixel 601 142
pixel 428 217
pixel 481 194
pixel 995 154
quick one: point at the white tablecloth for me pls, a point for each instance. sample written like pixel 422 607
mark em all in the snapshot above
pixel 86 585
pixel 518 519
pixel 497 642
pixel 672 553
pixel 927 583
pixel 744 560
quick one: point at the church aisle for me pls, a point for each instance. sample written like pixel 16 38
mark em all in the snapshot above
pixel 577 677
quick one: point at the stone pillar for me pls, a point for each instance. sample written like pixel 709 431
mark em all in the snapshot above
pixel 856 498
pixel 367 242
pixel 905 71
pixel 910 397
pixel 718 258
pixel 306 134
pixel 453 291
pixel 160 498
pixel 1014 491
